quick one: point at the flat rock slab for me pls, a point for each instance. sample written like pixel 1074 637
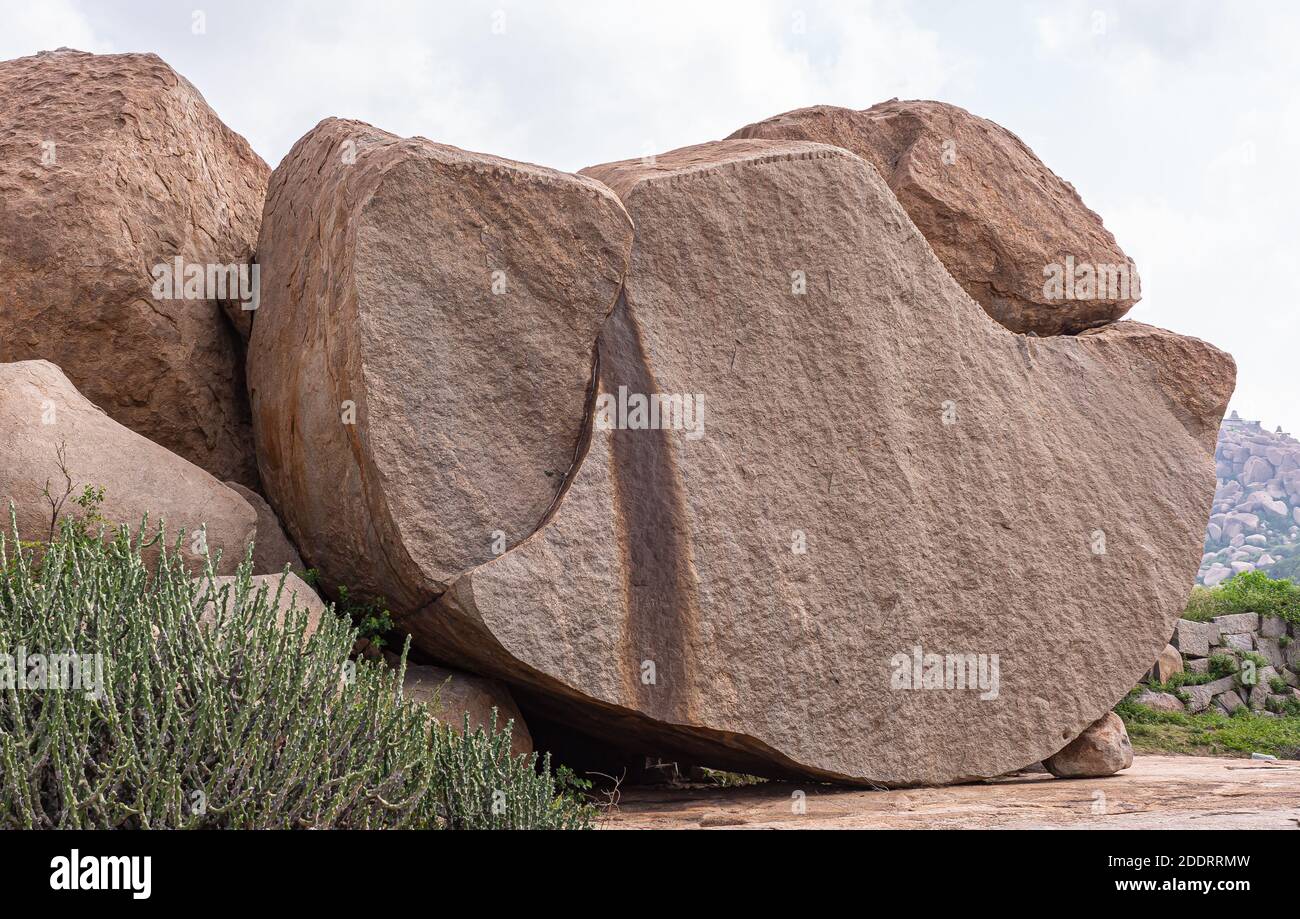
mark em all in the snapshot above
pixel 882 474
pixel 998 218
pixel 1158 792
pixel 422 358
pixel 112 167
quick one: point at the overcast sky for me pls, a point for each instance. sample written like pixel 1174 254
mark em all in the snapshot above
pixel 1177 120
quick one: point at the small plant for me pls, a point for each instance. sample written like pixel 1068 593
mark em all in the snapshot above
pixel 1277 684
pixel 371 617
pixel 1222 665
pixel 1259 660
pixel 730 779
pixel 1180 679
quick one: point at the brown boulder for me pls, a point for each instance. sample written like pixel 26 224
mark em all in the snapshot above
pixel 451 695
pixel 881 474
pixel 53 437
pixel 420 365
pixel 272 549
pixel 1160 701
pixel 1103 749
pixel 1167 664
pixel 1002 223
pixel 112 167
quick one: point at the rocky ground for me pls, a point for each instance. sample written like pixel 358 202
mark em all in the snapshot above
pixel 1158 792
pixel 1256 521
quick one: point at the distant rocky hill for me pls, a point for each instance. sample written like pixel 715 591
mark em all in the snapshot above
pixel 1256 519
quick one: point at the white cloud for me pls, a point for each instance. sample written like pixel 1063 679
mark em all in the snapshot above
pixel 566 84
pixel 44 26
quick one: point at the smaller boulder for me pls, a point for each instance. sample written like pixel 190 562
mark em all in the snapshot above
pixel 1102 749
pixel 452 694
pixel 1271 649
pixel 1013 234
pixel 1272 627
pixel 55 444
pixel 296 592
pixel 1229 701
pixel 1243 642
pixel 1199 697
pixel 1167 664
pixel 1237 623
pixel 1160 701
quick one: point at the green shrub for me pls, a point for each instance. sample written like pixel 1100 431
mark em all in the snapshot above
pixel 1222 665
pixel 372 617
pixel 1259 660
pixel 236 723
pixel 1213 732
pixel 1248 592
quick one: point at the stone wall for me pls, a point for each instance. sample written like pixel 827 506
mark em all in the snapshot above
pixel 1255 658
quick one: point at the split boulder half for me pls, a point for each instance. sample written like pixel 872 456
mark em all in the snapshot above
pixel 53 439
pixel 895 543
pixel 1013 234
pixel 422 358
pixel 114 174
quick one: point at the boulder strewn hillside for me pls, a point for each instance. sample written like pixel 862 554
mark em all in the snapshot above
pixel 1256 520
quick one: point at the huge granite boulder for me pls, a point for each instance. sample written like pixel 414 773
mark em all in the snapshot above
pixel 122 192
pixel 54 444
pixel 902 545
pixel 422 358
pixel 1012 233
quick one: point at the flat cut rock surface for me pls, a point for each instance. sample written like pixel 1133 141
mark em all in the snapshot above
pixel 420 365
pixel 1158 792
